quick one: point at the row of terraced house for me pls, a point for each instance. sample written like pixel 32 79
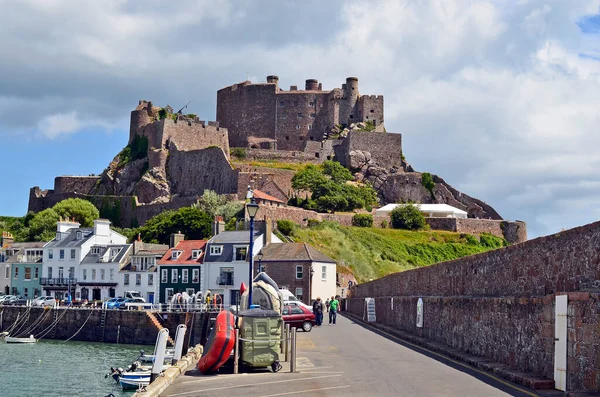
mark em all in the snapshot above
pixel 97 264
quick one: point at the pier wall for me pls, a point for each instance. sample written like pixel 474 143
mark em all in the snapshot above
pixel 500 305
pixel 122 326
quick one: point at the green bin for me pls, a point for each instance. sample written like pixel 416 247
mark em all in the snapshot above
pixel 263 327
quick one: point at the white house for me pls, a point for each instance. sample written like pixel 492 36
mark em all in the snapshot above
pixel 428 210
pixel 139 274
pixel 99 271
pixel 63 255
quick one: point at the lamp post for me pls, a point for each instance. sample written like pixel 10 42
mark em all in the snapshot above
pixel 312 271
pixel 252 209
pixel 259 256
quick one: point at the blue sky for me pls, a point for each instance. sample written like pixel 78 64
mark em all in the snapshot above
pixel 501 101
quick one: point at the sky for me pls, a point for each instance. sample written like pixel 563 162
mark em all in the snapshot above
pixel 499 98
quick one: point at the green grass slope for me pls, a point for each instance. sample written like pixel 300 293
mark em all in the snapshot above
pixel 371 253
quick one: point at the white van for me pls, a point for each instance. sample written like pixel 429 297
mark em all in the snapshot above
pixel 290 299
pixel 134 295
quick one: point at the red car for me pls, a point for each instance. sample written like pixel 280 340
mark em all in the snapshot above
pixel 299 317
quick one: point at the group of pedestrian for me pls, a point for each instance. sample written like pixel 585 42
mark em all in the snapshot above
pixel 331 306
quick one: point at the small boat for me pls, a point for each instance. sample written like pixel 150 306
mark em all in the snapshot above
pixel 149 358
pixel 134 382
pixel 220 343
pixel 10 339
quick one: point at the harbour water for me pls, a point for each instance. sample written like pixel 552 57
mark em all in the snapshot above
pixel 55 368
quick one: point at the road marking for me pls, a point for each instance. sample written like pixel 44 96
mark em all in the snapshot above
pixel 255 384
pixel 306 391
pixel 417 347
pixel 227 376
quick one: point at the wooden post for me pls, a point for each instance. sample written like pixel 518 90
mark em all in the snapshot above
pixel 287 336
pixel 236 352
pixel 293 358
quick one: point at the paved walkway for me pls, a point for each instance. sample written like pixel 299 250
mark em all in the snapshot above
pixel 351 360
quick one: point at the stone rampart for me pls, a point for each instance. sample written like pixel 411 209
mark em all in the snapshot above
pixel 386 149
pixel 513 232
pixel 71 184
pixel 122 326
pixel 289 156
pixel 499 305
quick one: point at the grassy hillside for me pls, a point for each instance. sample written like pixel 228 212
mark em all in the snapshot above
pixel 372 253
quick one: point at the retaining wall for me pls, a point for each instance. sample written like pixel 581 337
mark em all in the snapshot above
pixel 499 305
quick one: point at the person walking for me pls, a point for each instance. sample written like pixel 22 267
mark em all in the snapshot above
pixel 318 311
pixel 327 304
pixel 333 308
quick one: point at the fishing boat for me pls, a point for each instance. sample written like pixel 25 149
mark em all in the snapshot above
pixel 11 339
pixel 134 382
pixel 149 358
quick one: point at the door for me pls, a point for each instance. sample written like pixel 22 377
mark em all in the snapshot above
pixel 234 296
pixel 150 297
pixel 560 343
pixel 96 294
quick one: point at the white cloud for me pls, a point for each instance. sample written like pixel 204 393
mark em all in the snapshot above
pixel 59 124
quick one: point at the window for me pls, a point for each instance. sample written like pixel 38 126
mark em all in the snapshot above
pixel 281 104
pixel 16 272
pixel 301 138
pixel 196 254
pixel 240 253
pixel 287 138
pixel 226 276
pixel 372 111
pixel 95 250
pixel 351 116
pixel 313 115
pixel 27 273
pixel 195 275
pixel 71 272
pixel 169 293
pixel 7 271
pixel 323 272
pixel 50 254
pixel 102 274
pixel 138 279
pixel 317 154
pixel 309 127
pixel 26 292
pixel 299 115
pixel 61 254
pixel 112 292
pixel 173 275
pixel 299 271
pixel 36 272
pixel 164 276
pixel 298 295
pixel 296 310
pixel 297 126
pixel 72 254
pixel 84 274
pixel 191 291
pixel 79 235
pixel 216 249
pixel 49 271
pixel 111 274
pixel 175 255
pixel 184 276
pixel 126 279
pixel 311 104
pixel 150 279
pixel 58 236
pixel 93 274
pixel 262 268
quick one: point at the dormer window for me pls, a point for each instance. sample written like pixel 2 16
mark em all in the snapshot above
pixel 175 255
pixel 196 254
pixel 79 235
pixel 57 236
pixel 216 249
pixel 95 250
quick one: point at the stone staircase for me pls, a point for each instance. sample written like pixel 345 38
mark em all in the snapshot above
pixel 158 325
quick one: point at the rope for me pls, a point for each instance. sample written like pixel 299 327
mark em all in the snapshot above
pixel 26 318
pixel 37 322
pixel 80 328
pixel 47 330
pixel 13 326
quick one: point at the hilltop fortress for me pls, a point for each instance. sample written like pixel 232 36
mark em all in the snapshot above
pixel 171 158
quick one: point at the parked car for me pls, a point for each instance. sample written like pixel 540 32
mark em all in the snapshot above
pixel 299 317
pixel 124 303
pixel 16 300
pixel 4 298
pixel 114 302
pixel 43 301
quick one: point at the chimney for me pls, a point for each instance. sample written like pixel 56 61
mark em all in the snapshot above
pixel 62 226
pixel 7 239
pixel 175 238
pixel 101 227
pixel 268 230
pixel 218 225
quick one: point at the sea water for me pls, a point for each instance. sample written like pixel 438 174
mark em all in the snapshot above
pixel 57 368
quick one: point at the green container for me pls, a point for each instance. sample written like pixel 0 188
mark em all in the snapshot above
pixel 263 327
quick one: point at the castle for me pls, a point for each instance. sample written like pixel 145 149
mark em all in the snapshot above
pixel 262 115
pixel 171 158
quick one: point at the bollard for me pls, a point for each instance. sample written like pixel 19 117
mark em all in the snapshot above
pixel 287 336
pixel 236 352
pixel 281 344
pixel 293 353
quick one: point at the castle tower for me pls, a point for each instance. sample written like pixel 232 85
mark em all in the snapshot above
pixel 348 112
pixel 140 117
pixel 273 79
pixel 312 85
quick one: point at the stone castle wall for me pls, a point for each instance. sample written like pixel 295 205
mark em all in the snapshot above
pixel 499 305
pixel 513 232
pixel 386 149
pixel 70 184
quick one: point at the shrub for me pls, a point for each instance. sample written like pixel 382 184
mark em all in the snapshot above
pixel 362 220
pixel 487 240
pixel 427 182
pixel 239 152
pixel 384 224
pixel 286 226
pixel 162 113
pixel 313 222
pixel 407 217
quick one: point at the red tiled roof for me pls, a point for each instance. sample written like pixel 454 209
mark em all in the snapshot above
pixel 264 196
pixel 186 246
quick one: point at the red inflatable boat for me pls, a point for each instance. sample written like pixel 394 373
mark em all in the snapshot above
pixel 219 345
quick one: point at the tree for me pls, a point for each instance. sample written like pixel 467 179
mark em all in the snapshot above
pixel 217 204
pixel 408 217
pixel 195 223
pixel 308 178
pixel 337 172
pixel 42 226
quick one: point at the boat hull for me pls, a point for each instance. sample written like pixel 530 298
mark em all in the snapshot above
pixel 219 345
pixel 129 383
pixel 10 339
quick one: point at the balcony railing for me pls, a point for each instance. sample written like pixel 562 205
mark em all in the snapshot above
pixel 58 281
pixel 225 280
